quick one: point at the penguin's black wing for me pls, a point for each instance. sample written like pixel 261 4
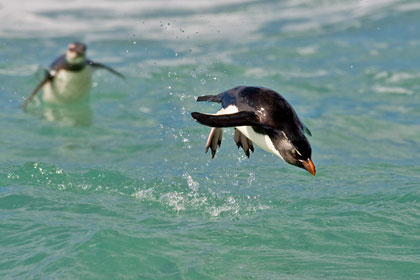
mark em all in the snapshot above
pixel 103 66
pixel 49 76
pixel 229 120
pixel 306 130
pixel 210 98
pixel 58 64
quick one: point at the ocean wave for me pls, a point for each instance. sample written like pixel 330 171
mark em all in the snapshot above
pixel 230 20
pixel 178 196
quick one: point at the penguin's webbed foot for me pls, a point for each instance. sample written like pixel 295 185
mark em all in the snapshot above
pixel 214 140
pixel 243 142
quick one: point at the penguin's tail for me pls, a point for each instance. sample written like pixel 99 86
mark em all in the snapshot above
pixel 210 98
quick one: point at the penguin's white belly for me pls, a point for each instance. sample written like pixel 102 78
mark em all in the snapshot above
pixel 68 86
pixel 261 140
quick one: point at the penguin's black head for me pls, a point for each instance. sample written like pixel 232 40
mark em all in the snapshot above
pixel 76 53
pixel 296 151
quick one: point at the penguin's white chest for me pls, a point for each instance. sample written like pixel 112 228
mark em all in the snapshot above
pixel 68 86
pixel 261 140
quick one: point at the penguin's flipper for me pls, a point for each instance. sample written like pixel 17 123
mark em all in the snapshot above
pixel 306 130
pixel 229 120
pixel 48 78
pixel 210 98
pixel 103 66
pixel 243 142
pixel 214 140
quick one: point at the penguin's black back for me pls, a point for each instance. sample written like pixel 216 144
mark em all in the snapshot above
pixel 270 107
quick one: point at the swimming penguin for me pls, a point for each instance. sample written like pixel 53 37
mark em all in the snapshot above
pixel 69 78
pixel 261 116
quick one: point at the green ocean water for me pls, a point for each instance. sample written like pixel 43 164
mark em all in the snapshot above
pixel 121 188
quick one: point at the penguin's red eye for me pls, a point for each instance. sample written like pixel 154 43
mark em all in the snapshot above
pixel 294 154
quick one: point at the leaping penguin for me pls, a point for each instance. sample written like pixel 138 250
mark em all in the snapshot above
pixel 262 116
pixel 69 78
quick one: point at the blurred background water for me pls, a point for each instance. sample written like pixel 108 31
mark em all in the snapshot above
pixel 122 188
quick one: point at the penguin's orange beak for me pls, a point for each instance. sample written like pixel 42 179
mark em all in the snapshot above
pixel 309 166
